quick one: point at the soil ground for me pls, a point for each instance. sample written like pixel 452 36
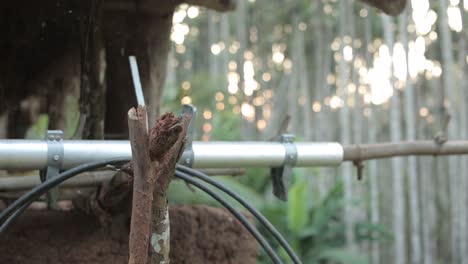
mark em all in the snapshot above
pixel 199 234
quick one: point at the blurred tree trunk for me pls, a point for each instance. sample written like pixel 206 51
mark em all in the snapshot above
pixel 302 70
pixel 225 38
pixel 374 187
pixel 321 69
pixel 171 78
pixel 429 236
pixel 463 135
pixel 247 128
pixel 213 58
pixel 452 130
pixel 93 87
pixel 372 126
pixel 397 173
pixel 125 35
pixel 428 171
pixel 359 187
pixel 279 106
pixel 3 124
pixel 345 127
pixel 295 77
pixel 410 112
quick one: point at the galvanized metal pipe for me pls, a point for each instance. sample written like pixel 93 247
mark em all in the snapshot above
pixel 32 154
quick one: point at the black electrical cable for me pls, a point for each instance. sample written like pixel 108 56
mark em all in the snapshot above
pixel 274 257
pixel 39 190
pixel 244 203
pixel 13 216
pixel 21 204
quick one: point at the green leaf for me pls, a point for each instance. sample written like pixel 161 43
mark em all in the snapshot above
pixel 328 208
pixel 179 193
pixel 343 256
pixel 38 129
pixel 297 206
pixel 244 191
pixel 309 231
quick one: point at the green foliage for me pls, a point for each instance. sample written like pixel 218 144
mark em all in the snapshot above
pixel 297 206
pixel 314 229
pixel 38 129
pixel 342 256
pixel 225 126
pixel 312 222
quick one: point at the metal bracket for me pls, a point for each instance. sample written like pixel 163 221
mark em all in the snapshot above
pixel 188 156
pixel 54 140
pixel 281 176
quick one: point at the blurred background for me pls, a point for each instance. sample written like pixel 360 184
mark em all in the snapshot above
pixel 331 70
pixel 342 72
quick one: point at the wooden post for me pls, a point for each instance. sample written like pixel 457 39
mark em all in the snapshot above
pixel 154 159
pixel 143 185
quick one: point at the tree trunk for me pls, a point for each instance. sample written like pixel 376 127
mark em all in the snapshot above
pixel 359 190
pixel 146 36
pixel 247 128
pixel 321 68
pixel 213 59
pixel 293 109
pixel 374 187
pixel 225 38
pixel 410 119
pixel 452 130
pixel 93 67
pixel 373 173
pixel 345 135
pixel 463 135
pixel 397 174
pixel 304 84
pixel 3 125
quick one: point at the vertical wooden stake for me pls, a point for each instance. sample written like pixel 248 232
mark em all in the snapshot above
pixel 154 159
pixel 143 185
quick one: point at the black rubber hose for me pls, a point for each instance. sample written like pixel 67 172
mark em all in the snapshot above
pixel 21 204
pixel 271 253
pixel 39 190
pixel 14 216
pixel 250 208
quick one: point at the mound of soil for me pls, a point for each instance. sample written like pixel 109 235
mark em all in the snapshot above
pixel 199 234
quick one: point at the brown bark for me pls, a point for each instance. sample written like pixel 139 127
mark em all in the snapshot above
pixel 154 159
pixel 93 88
pixel 169 135
pixel 143 185
pixel 146 36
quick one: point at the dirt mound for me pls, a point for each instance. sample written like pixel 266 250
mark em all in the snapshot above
pixel 199 234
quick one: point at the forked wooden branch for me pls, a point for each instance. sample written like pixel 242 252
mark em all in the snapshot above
pixel 154 159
